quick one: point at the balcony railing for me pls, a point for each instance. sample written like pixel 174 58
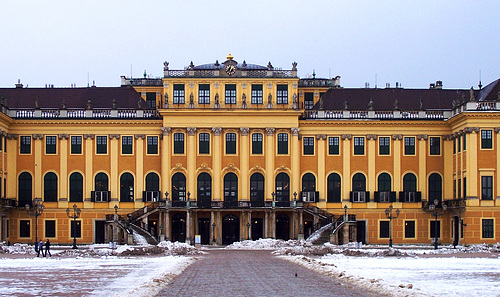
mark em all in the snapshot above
pixel 102 113
pixel 234 204
pixel 151 196
pixel 7 203
pixel 100 196
pixel 377 114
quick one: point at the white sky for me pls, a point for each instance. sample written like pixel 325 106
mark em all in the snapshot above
pixel 412 42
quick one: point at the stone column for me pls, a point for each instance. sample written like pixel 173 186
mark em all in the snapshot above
pixel 472 172
pixel 212 231
pixel 295 162
pixel 447 153
pixel 63 171
pixel 188 227
pixel 371 154
pixel 168 232
pixel 321 185
pixel 269 156
pixel 249 221
pixel 114 185
pixel 139 166
pixel 217 163
pixel 266 224
pixel 165 155
pixel 422 164
pixel 191 159
pixel 346 166
pixel 218 230
pixel 37 152
pixel 89 173
pixel 497 131
pixel 244 164
pixel 396 140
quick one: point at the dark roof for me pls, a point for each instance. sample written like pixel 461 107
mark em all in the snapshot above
pixel 489 92
pixel 221 66
pixel 384 99
pixel 125 97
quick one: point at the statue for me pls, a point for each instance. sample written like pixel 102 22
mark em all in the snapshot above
pixel 165 66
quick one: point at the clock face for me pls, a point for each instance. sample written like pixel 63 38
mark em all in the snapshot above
pixel 230 69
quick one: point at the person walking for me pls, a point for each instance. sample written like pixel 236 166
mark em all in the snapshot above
pixel 47 248
pixel 40 249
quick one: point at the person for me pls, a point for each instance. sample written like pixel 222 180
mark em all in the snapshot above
pixel 40 249
pixel 47 248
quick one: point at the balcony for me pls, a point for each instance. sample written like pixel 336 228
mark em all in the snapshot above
pixel 8 203
pixel 193 204
pixel 150 196
pixel 100 196
pixel 384 196
pixel 359 196
pixel 410 196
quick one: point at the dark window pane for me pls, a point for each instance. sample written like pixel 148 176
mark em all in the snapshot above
pixel 152 145
pixel 50 144
pixel 230 143
pixel 50 228
pixel 282 143
pixel 76 144
pixel 127 145
pixel 308 145
pixel 257 143
pixel 409 145
pixel 178 143
pixel 409 229
pixel 384 229
pixel 333 145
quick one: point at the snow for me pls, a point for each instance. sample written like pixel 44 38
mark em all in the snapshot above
pixel 317 233
pixel 139 239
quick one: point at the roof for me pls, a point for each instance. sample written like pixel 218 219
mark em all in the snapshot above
pixel 221 66
pixel 385 99
pixel 490 92
pixel 100 97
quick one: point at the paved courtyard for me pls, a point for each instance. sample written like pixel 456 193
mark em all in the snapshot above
pixel 254 273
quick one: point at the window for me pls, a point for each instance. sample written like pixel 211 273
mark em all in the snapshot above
pixel 435 187
pixel 487 187
pixel 435 229
pixel 178 143
pixel 384 146
pixel 359 193
pixel 282 187
pixel 334 186
pixel 204 143
pixel 204 94
pixel 454 145
pixel 435 146
pixel 101 182
pixel 257 143
pixel 25 145
pixel 230 94
pixel 308 145
pixel 126 188
pixel 1 142
pixel 333 145
pixel 76 144
pixel 151 99
pixel 75 187
pixel 50 144
pixel 464 142
pixel 50 187
pixel 486 139
pixel 488 228
pixel 410 146
pixel 257 190
pixel 230 189
pixel 409 229
pixel 282 94
pixel 384 229
pixel 256 94
pixel 127 144
pixel 76 229
pixel 178 187
pixel 178 94
pixel 152 145
pixel 465 187
pixel 204 190
pixel 25 182
pixel 309 100
pixel 50 228
pixel 230 143
pixel 282 143
pixel 308 188
pixel 102 144
pixel 24 228
pixel 459 146
pixel 152 182
pixel 359 145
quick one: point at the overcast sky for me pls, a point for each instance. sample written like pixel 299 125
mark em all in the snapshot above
pixel 411 42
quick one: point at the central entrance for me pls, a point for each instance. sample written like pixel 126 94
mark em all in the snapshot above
pixel 204 230
pixel 178 228
pixel 257 227
pixel 282 227
pixel 230 229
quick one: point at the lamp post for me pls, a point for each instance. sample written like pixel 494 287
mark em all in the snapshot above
pixel 345 213
pixel 35 210
pixel 274 203
pixel 213 233
pixel 433 209
pixel 390 216
pixel 74 216
pixel 187 203
pixel 248 231
pixel 294 199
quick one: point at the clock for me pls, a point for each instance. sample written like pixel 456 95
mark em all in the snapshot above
pixel 230 69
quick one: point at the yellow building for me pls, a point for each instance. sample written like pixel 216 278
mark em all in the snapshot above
pixel 231 151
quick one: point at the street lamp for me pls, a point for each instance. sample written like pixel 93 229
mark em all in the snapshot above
pixel 345 213
pixel 433 209
pixel 187 203
pixel 390 216
pixel 294 199
pixel 35 210
pixel 213 233
pixel 274 203
pixel 74 216
pixel 248 231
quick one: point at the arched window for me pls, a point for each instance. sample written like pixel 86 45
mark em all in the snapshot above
pixel 334 186
pixel 230 190
pixel 204 190
pixel 359 182
pixel 24 189
pixel 126 187
pixel 435 187
pixel 384 183
pixel 257 190
pixel 75 187
pixel 359 193
pixel 282 187
pixel 50 187
pixel 308 188
pixel 101 182
pixel 410 182
pixel 152 182
pixel 178 187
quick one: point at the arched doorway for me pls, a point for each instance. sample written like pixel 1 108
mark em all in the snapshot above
pixel 334 188
pixel 257 228
pixel 282 190
pixel 179 228
pixel 257 190
pixel 126 188
pixel 230 190
pixel 309 188
pixel 282 227
pixel 204 190
pixel 178 190
pixel 24 191
pixel 230 229
pixel 435 188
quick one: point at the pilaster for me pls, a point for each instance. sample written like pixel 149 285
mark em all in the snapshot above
pixel 217 164
pixel 396 151
pixel 139 165
pixel 372 179
pixel 114 153
pixel 422 164
pixel 37 151
pixel 346 166
pixel 166 161
pixel 63 171
pixel 269 156
pixel 295 153
pixel 89 174
pixel 244 163
pixel 321 167
pixel 191 159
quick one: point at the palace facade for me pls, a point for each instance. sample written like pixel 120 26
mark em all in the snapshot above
pixel 222 152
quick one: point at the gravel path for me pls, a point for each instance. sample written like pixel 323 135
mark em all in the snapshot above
pixel 254 273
